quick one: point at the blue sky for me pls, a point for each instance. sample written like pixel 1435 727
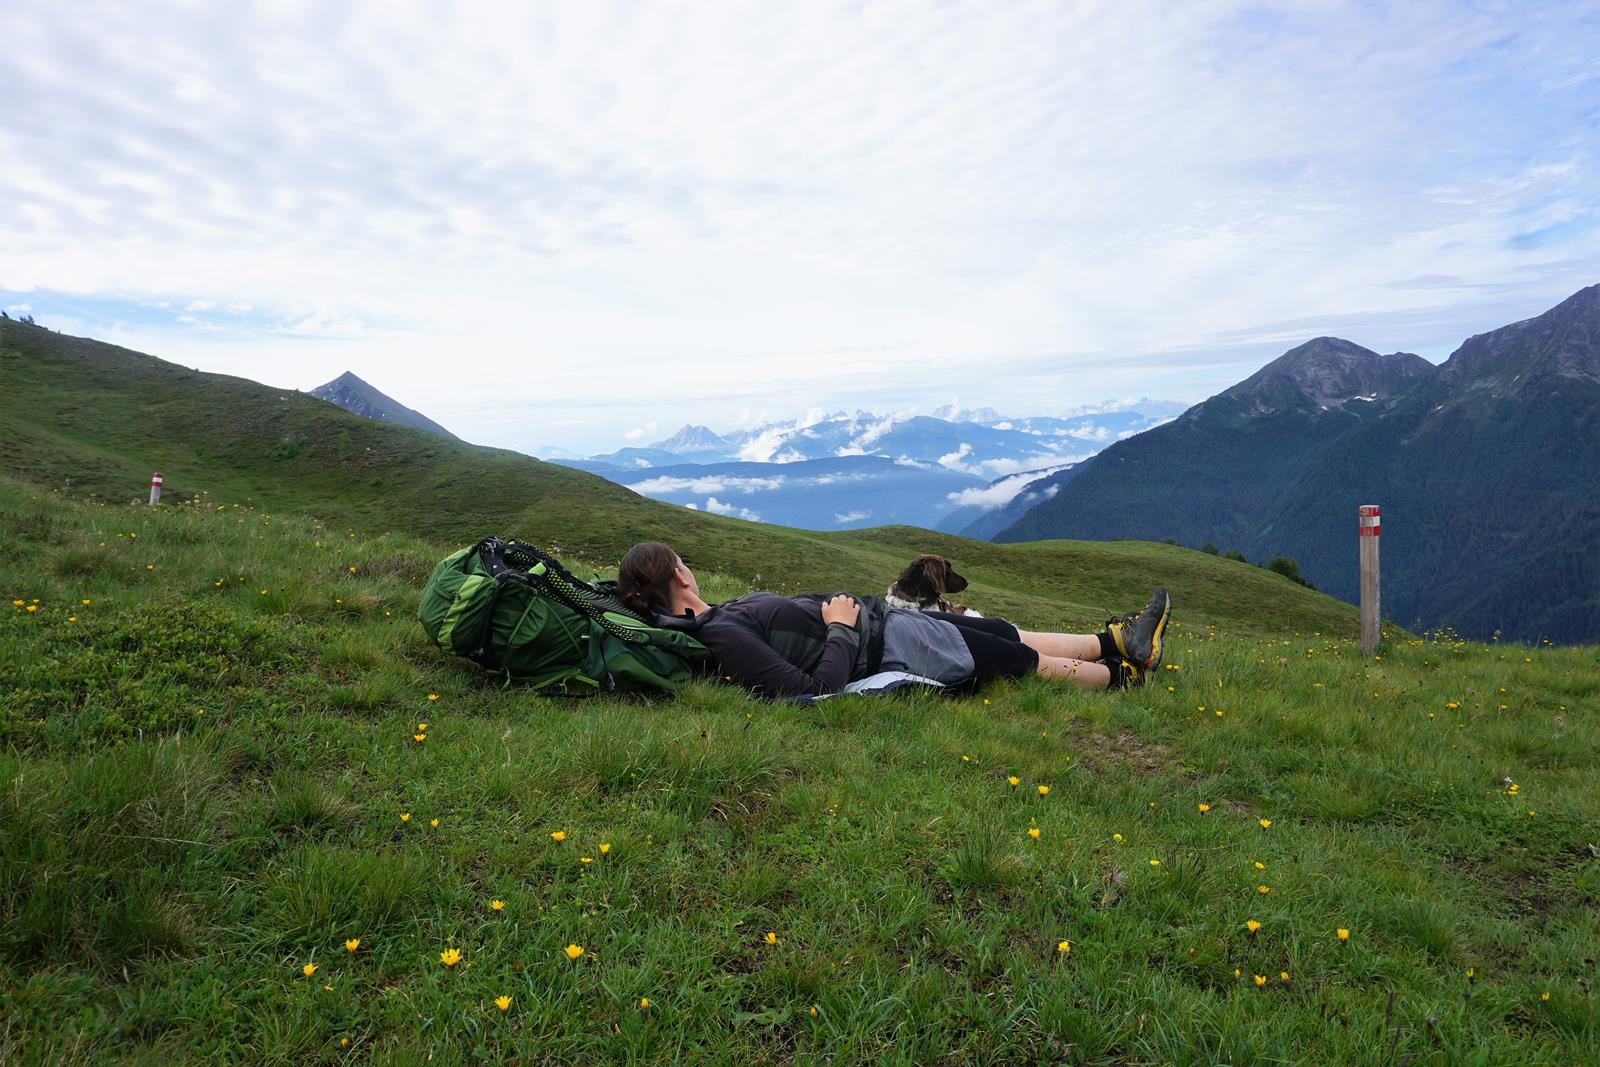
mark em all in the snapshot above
pixel 555 223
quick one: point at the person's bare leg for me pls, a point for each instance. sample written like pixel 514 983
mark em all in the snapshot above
pixel 1062 646
pixel 1078 672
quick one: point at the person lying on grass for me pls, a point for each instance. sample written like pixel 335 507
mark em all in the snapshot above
pixel 779 646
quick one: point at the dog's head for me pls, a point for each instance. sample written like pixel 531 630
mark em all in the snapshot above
pixel 929 578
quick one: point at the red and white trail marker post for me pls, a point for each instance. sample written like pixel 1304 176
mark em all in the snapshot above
pixel 1370 611
pixel 155 489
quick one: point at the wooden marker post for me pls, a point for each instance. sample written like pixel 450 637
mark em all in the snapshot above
pixel 1370 611
pixel 155 489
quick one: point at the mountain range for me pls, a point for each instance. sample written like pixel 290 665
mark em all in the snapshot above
pixel 949 470
pixel 1487 468
pixel 92 421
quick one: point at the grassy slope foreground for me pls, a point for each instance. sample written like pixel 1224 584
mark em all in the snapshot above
pixel 97 420
pixel 222 841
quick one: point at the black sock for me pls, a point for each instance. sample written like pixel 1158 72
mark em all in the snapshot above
pixel 1119 673
pixel 1108 647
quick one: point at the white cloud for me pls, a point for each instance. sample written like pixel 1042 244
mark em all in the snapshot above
pixel 639 432
pixel 1124 434
pixel 717 507
pixel 1004 491
pixel 701 209
pixel 1088 431
pixel 871 434
pixel 760 448
pixel 952 460
pixel 851 516
pixel 711 483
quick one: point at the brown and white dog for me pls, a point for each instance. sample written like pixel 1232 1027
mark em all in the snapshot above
pixel 922 587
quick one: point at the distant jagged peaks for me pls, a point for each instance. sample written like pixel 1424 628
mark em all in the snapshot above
pixel 692 439
pixel 953 412
pixel 1324 373
pixel 359 398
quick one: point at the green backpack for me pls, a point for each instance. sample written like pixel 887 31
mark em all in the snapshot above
pixel 515 610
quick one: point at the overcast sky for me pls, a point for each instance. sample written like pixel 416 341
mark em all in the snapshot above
pixel 552 224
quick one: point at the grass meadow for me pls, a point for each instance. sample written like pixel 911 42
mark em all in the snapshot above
pixel 227 836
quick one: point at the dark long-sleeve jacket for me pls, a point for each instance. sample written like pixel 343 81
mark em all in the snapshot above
pixel 778 646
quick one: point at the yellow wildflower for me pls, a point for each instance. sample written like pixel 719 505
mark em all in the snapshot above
pixel 422 727
pixel 450 957
pixel 585 859
pixel 405 816
pixel 1013 781
pixel 1252 926
pixel 1116 837
pixel 419 738
pixel 1344 935
pixel 1544 996
pixel 86 603
pixel 1033 832
pixel 770 938
pixel 1204 808
pixel 502 1003
pixel 1064 947
pixel 33 609
pixel 1263 889
pixel 497 905
pixel 1155 863
pixel 558 836
pixel 344 1042
pixel 1261 980
pixel 605 846
pixel 1260 866
pixel 352 944
pixel 1264 823
pixel 433 696
pixel 1044 790
pixel 574 951
pixel 644 1002
pixel 1283 976
pixel 433 823
pixel 1472 972
pixel 309 969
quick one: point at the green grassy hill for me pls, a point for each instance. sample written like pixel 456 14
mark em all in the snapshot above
pixel 221 841
pixel 97 420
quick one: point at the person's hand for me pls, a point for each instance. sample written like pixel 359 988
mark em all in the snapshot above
pixel 841 607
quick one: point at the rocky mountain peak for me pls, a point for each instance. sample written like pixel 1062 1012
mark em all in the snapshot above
pixel 360 398
pixel 692 439
pixel 1325 373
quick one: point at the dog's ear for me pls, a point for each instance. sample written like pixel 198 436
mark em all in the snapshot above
pixel 913 581
pixel 938 571
pixel 954 583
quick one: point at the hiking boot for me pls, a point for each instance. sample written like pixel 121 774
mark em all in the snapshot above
pixel 1138 637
